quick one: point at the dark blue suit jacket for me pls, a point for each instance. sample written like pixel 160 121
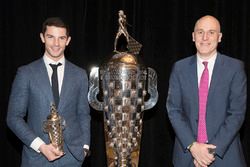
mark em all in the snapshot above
pixel 31 96
pixel 225 114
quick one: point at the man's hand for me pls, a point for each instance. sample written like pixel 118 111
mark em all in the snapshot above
pixel 196 164
pixel 50 152
pixel 201 155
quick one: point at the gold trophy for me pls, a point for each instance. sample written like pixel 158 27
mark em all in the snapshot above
pixel 54 125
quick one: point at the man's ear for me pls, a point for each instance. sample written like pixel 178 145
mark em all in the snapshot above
pixel 42 37
pixel 68 40
pixel 193 37
pixel 220 36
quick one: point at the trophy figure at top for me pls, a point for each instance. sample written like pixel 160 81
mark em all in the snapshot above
pixel 122 88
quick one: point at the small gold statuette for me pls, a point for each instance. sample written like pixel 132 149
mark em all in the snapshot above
pixel 54 125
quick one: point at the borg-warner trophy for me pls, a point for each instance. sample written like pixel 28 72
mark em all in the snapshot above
pixel 123 84
pixel 54 126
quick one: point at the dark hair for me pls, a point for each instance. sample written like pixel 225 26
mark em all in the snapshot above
pixel 55 21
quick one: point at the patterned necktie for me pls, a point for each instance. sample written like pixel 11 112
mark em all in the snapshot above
pixel 203 93
pixel 54 82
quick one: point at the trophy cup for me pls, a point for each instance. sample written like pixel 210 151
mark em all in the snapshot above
pixel 123 84
pixel 54 125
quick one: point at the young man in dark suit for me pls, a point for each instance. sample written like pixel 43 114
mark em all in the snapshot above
pixel 32 95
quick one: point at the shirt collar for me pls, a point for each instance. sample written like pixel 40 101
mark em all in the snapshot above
pixel 48 61
pixel 210 61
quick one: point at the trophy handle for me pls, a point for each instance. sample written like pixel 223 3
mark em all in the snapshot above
pixel 94 89
pixel 152 89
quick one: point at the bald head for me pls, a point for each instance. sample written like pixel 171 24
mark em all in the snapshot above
pixel 210 21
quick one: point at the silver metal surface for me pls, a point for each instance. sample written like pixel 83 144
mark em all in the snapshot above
pixel 123 84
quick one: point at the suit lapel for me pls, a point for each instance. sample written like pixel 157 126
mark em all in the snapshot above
pixel 66 85
pixel 217 73
pixel 193 79
pixel 42 80
pixel 216 78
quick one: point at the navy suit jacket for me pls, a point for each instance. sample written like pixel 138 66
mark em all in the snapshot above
pixel 31 97
pixel 226 106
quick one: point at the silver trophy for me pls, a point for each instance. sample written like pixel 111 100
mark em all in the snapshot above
pixel 120 88
pixel 54 126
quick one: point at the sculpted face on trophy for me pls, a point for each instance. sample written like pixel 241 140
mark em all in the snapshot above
pixel 123 84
